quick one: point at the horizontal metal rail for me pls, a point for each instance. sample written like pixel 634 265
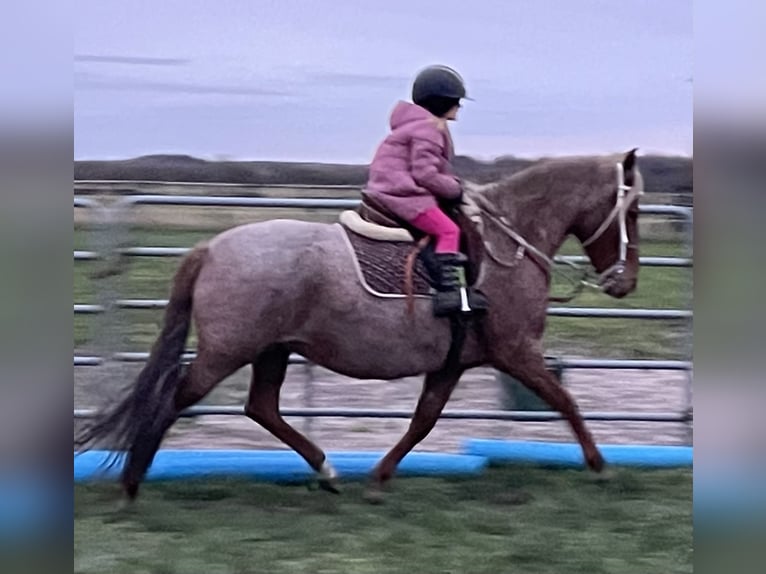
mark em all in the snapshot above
pixel 141 357
pixel 583 364
pixel 86 255
pixel 86 309
pixel 86 202
pixel 639 364
pixel 137 182
pixel 179 251
pixel 310 203
pixel 498 415
pixel 610 313
pixel 591 312
pixel 235 201
pixel 314 203
pixel 644 261
pixel 87 361
pixel 80 183
pixel 154 251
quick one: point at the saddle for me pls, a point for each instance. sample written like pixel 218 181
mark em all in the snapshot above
pixel 390 251
pixel 394 259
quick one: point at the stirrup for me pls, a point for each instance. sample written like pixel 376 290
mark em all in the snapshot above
pixel 464 308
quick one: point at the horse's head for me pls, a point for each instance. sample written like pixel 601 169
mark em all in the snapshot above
pixel 607 226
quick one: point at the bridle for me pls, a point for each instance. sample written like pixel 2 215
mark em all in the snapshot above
pixel 626 194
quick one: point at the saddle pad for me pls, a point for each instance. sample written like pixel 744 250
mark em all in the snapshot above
pixel 383 265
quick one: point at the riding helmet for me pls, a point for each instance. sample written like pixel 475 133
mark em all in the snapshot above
pixel 438 89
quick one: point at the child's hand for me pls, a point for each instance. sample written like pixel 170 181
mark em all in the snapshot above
pixel 455 201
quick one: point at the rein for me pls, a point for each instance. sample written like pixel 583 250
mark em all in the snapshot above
pixel 545 263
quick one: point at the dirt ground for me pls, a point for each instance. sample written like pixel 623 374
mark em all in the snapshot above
pixel 594 390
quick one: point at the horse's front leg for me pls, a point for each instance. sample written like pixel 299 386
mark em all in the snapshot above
pixel 437 389
pixel 528 366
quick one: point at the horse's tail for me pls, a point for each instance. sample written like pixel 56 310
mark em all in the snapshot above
pixel 149 403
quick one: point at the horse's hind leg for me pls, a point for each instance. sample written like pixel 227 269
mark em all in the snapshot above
pixel 263 407
pixel 198 380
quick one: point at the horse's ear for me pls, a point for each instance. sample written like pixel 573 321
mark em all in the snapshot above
pixel 629 161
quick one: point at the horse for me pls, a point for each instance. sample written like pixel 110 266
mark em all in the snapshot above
pixel 261 291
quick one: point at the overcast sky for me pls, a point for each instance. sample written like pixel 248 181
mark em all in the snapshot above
pixel 316 80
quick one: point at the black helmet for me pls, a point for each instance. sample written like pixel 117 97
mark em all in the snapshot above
pixel 437 81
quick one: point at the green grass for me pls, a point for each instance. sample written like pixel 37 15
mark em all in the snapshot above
pixel 658 288
pixel 526 520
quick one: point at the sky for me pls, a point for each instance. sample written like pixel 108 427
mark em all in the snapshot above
pixel 300 80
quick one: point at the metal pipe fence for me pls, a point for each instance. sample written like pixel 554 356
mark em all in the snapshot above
pixel 494 415
pixel 116 247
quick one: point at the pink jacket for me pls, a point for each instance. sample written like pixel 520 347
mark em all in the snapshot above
pixel 411 168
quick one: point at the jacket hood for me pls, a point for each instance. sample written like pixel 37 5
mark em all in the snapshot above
pixel 405 113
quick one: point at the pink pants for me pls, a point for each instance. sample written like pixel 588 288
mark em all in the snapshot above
pixel 436 224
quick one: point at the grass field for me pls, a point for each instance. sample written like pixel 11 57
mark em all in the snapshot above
pixel 658 288
pixel 526 520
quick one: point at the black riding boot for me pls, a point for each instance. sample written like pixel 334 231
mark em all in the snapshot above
pixel 452 293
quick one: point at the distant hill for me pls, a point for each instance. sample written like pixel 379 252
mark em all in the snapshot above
pixel 661 174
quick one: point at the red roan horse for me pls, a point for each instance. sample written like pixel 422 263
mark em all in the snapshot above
pixel 259 292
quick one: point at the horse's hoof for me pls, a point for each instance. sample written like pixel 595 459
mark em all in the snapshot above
pixel 605 475
pixel 596 462
pixel 131 490
pixel 328 478
pixel 329 484
pixel 125 504
pixel 374 495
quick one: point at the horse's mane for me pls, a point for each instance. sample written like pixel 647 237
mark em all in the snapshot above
pixel 581 166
